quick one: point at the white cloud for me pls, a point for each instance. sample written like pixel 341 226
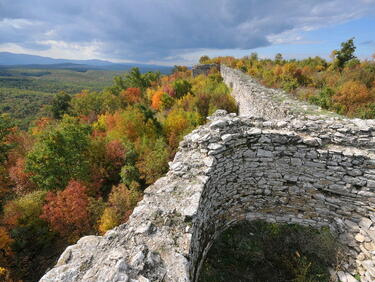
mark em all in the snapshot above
pixel 16 23
pixel 58 50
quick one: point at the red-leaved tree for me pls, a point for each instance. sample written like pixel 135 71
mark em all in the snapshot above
pixel 131 95
pixel 21 178
pixel 67 211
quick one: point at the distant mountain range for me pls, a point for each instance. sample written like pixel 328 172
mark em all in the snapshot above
pixel 11 60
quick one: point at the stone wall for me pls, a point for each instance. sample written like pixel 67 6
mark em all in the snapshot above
pixel 256 100
pixel 293 168
pixel 280 172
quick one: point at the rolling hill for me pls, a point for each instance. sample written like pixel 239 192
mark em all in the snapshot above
pixel 12 60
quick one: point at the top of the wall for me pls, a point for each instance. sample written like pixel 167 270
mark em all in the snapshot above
pixel 257 100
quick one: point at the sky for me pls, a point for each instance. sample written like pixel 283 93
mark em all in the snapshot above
pixel 173 32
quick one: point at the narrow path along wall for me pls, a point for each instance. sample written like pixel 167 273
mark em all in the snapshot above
pixel 310 170
pixel 256 100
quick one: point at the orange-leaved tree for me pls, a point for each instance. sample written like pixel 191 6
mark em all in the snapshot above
pixel 156 100
pixel 131 96
pixel 5 254
pixel 352 95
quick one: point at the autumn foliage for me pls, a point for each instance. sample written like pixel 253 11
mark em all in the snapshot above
pixel 352 95
pixel 83 171
pixel 156 99
pixel 67 211
pixel 131 95
pixel 5 253
pixel 21 178
pixel 121 202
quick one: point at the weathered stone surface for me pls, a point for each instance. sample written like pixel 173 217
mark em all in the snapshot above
pixel 360 238
pixel 286 168
pixel 345 277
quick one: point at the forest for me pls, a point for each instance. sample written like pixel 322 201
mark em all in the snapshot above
pixel 27 93
pixel 82 167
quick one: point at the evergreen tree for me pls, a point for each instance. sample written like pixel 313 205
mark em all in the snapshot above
pixel 60 105
pixel 346 53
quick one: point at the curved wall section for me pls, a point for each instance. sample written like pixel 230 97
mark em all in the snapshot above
pixel 277 173
pixel 277 165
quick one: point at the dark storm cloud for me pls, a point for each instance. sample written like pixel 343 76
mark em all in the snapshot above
pixel 158 29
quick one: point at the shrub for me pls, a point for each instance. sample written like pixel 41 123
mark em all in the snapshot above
pixel 249 251
pixel 351 95
pixel 121 202
pixel 367 111
pixel 24 210
pixel 152 160
pixel 131 96
pixel 204 59
pixel 108 220
pixel 290 85
pixel 324 98
pixel 181 87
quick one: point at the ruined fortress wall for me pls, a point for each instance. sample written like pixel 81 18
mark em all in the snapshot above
pixel 256 100
pixel 276 172
pixel 292 168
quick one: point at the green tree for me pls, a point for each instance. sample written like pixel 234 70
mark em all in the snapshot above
pixel 345 54
pixel 6 125
pixel 60 155
pixel 179 69
pixel 129 172
pixel 278 58
pixel 133 79
pixel 254 56
pixel 181 87
pixel 204 59
pixel 150 77
pixel 33 242
pixel 324 98
pixel 149 115
pixel 60 105
pixel 94 103
pixel 152 162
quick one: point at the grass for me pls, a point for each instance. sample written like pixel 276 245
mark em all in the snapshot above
pixel 260 251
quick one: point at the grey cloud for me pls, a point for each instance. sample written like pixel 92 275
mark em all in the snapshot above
pixel 156 29
pixel 368 42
